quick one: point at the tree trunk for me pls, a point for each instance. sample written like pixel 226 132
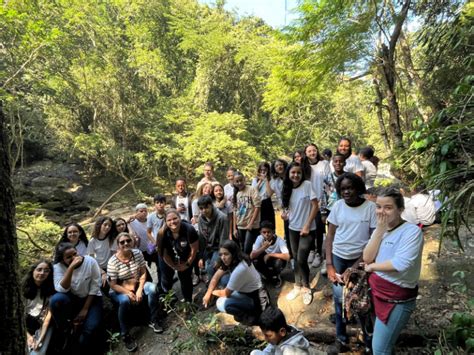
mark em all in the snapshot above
pixel 379 107
pixel 12 325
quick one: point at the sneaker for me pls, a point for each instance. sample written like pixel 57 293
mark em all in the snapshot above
pixel 156 326
pixel 130 343
pixel 277 280
pixel 292 264
pixel 307 296
pixel 311 256
pixel 293 293
pixel 324 270
pixel 316 261
pixel 337 347
pixel 196 280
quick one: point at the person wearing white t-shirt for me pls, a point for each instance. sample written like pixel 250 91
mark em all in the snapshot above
pixel 300 205
pixel 353 164
pixel 239 295
pixel 351 222
pixel 270 253
pixel 419 209
pixel 370 170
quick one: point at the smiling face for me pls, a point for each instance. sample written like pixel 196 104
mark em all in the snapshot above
pixel 386 206
pixel 279 168
pixel 338 163
pixel 180 187
pixel 218 192
pixel 239 182
pixel 105 228
pixel 225 256
pixel 125 242
pixel 173 222
pixel 297 157
pixel 230 176
pixel 73 234
pixel 348 191
pixel 312 153
pixel 40 273
pixel 295 175
pixel 206 189
pixel 344 147
pixel 121 226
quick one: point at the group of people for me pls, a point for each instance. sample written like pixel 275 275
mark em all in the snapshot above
pixel 224 236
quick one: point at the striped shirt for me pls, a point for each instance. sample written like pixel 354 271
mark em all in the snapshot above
pixel 119 271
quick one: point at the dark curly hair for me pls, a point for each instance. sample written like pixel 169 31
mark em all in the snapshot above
pixel 29 287
pixel 82 234
pixel 237 256
pixel 273 172
pixel 356 180
pixel 288 184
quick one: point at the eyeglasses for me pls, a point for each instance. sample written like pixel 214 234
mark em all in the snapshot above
pixel 126 241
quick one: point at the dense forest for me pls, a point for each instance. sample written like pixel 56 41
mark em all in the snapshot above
pixel 154 89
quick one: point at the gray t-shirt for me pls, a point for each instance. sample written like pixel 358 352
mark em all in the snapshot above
pixel 154 222
pixel 244 278
pixel 353 228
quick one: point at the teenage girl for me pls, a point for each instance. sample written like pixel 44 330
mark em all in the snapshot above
pixel 262 184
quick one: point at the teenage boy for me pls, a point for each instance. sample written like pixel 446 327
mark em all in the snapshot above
pixel 181 200
pixel 213 230
pixel 270 253
pixel 282 338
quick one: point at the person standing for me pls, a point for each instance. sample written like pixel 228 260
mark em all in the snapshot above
pixel 181 200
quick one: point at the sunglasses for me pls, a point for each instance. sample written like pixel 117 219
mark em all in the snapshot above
pixel 126 241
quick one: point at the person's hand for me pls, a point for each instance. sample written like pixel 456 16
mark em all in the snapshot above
pixel 369 267
pixel 201 264
pixel 382 221
pixel 331 273
pixel 139 295
pixel 266 243
pixel 104 279
pixel 31 341
pixel 248 227
pixel 305 231
pixel 284 215
pixel 80 317
pixel 181 209
pixel 206 299
pixel 266 257
pixel 131 296
pixel 180 267
pixel 76 262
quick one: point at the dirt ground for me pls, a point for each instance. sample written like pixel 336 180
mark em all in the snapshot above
pixel 438 299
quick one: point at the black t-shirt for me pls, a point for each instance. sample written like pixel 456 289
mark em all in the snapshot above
pixel 179 249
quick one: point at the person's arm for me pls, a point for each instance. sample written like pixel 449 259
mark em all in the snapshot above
pixel 222 293
pixel 167 259
pixel 282 256
pixel 386 266
pixel 268 188
pixel 44 329
pixel 329 241
pixel 65 283
pixel 85 309
pixel 259 249
pixel 150 235
pixel 120 289
pixel 141 284
pixel 311 217
pixel 212 286
pixel 256 212
pixel 192 255
pixel 223 229
pixel 230 218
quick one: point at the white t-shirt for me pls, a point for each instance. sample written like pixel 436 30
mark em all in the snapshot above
pixel 318 172
pixel 404 248
pixel 183 201
pixel 370 173
pixel 353 228
pixel 353 164
pixel 278 247
pixel 229 192
pixel 140 231
pixel 277 186
pixel 35 306
pixel 86 279
pixel 262 191
pixel 419 209
pixel 81 248
pixel 300 206
pixel 101 250
pixel 244 278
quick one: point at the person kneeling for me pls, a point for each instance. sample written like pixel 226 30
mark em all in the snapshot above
pixel 241 295
pixel 126 271
pixel 282 338
pixel 270 253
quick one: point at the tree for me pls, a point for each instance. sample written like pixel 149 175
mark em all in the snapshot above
pixel 12 326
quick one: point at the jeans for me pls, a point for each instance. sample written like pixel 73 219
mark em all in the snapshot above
pixel 301 247
pixel 247 239
pixel 125 306
pixel 385 335
pixel 66 306
pixel 238 304
pixel 271 268
pixel 210 259
pixel 341 265
pixel 185 278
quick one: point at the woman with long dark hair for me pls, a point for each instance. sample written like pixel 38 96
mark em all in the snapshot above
pixel 240 294
pixel 393 256
pixel 37 288
pixel 353 164
pixel 300 208
pixel 262 184
pixel 75 234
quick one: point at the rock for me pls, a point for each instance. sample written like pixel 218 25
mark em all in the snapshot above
pixel 54 205
pixel 46 181
pixel 61 195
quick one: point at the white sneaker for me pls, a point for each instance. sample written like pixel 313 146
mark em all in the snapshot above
pixel 311 256
pixel 324 269
pixel 307 296
pixel 316 261
pixel 293 293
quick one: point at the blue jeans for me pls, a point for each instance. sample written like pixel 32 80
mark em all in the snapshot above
pixel 385 335
pixel 210 260
pixel 66 306
pixel 125 307
pixel 237 304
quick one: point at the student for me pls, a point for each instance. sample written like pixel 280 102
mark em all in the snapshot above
pixel 213 228
pixel 229 187
pixel 78 301
pixel 327 154
pixel 301 206
pixel 353 164
pixel 240 296
pixel 101 245
pixel 75 234
pixel 138 226
pixel 338 163
pixel 220 201
pixel 178 246
pixel 270 253
pixel 393 256
pixel 247 204
pixel 262 184
pixel 278 170
pixel 203 189
pixel 154 222
pixel 126 272
pixel 351 222
pixel 370 171
pixel 298 156
pixel 282 338
pixel 208 175
pixel 419 209
pixel 181 200
pixel 37 288
pixel 315 170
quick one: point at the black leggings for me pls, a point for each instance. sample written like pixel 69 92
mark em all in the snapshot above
pixel 301 247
